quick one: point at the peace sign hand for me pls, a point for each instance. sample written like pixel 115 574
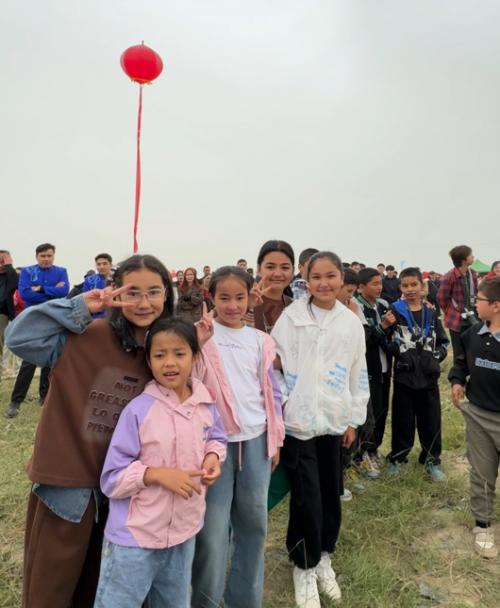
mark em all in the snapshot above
pixel 255 296
pixel 98 300
pixel 205 326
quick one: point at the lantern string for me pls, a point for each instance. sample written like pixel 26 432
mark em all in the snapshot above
pixel 138 171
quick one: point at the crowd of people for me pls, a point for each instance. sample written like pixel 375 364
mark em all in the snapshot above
pixel 184 405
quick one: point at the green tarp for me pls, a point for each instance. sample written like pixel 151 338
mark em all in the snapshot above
pixel 480 266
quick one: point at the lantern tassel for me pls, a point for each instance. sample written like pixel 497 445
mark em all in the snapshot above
pixel 138 172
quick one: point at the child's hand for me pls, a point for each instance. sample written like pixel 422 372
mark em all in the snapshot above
pixel 176 480
pixel 388 320
pixel 457 394
pixel 275 460
pixel 98 300
pixel 211 469
pixel 348 437
pixel 205 326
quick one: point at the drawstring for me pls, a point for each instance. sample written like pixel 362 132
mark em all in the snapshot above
pixel 240 455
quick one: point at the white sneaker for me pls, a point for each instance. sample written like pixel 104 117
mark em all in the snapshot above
pixel 346 496
pixel 306 588
pixel 484 542
pixel 327 582
pixel 369 467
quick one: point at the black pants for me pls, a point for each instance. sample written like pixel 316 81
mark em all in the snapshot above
pixel 23 381
pixel 314 470
pixel 421 409
pixel 379 395
pixel 456 344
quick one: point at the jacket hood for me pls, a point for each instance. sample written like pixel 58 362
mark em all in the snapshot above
pixel 300 313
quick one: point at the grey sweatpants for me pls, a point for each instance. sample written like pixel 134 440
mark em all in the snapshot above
pixel 483 451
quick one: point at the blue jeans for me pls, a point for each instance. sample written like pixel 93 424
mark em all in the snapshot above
pixel 237 515
pixel 128 574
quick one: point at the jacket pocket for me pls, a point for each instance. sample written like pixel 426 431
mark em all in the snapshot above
pixel 429 365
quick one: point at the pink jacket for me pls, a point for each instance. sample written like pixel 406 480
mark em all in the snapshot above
pixel 155 430
pixel 210 369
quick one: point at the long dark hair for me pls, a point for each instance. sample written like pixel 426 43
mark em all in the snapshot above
pixel 123 328
pixel 276 245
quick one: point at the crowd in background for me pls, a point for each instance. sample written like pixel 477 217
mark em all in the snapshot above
pixel 305 364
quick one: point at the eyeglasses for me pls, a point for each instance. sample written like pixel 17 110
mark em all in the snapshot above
pixel 135 295
pixel 478 299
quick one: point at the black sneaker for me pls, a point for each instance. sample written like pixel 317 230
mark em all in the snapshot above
pixel 13 410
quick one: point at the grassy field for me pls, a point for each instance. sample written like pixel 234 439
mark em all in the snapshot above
pixel 405 543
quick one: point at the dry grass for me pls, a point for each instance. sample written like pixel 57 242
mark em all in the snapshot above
pixel 397 534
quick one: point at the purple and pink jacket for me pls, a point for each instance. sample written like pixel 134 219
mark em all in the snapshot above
pixel 156 430
pixel 210 369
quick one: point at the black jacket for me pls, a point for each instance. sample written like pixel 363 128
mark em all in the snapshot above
pixel 390 289
pixel 10 280
pixel 376 338
pixel 479 368
pixel 419 343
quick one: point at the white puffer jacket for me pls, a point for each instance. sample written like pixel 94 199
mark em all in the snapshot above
pixel 324 369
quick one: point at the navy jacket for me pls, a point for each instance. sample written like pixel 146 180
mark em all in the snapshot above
pixel 479 368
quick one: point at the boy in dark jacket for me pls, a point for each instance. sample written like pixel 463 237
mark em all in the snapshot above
pixel 378 328
pixel 390 285
pixel 419 344
pixel 477 368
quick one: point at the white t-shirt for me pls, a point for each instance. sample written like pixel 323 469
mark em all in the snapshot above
pixel 240 353
pixel 319 313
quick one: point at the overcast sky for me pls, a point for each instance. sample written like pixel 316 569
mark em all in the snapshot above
pixel 367 127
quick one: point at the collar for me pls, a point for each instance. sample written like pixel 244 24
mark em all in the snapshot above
pixel 200 395
pixel 364 302
pixel 486 330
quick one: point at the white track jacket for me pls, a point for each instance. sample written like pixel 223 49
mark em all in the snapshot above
pixel 324 369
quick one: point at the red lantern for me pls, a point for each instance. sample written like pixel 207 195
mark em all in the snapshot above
pixel 141 63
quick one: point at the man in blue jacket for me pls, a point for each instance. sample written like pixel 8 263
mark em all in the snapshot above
pixel 37 284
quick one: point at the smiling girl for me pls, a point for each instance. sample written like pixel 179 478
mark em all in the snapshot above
pixel 321 345
pixel 238 502
pixel 275 264
pixel 97 368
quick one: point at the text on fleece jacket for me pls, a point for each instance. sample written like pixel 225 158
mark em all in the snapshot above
pixel 210 369
pixel 155 430
pixel 324 368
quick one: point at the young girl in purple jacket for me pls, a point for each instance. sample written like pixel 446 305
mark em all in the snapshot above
pixel 168 444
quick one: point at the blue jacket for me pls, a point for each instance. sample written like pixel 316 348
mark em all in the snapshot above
pixel 47 278
pixel 94 281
